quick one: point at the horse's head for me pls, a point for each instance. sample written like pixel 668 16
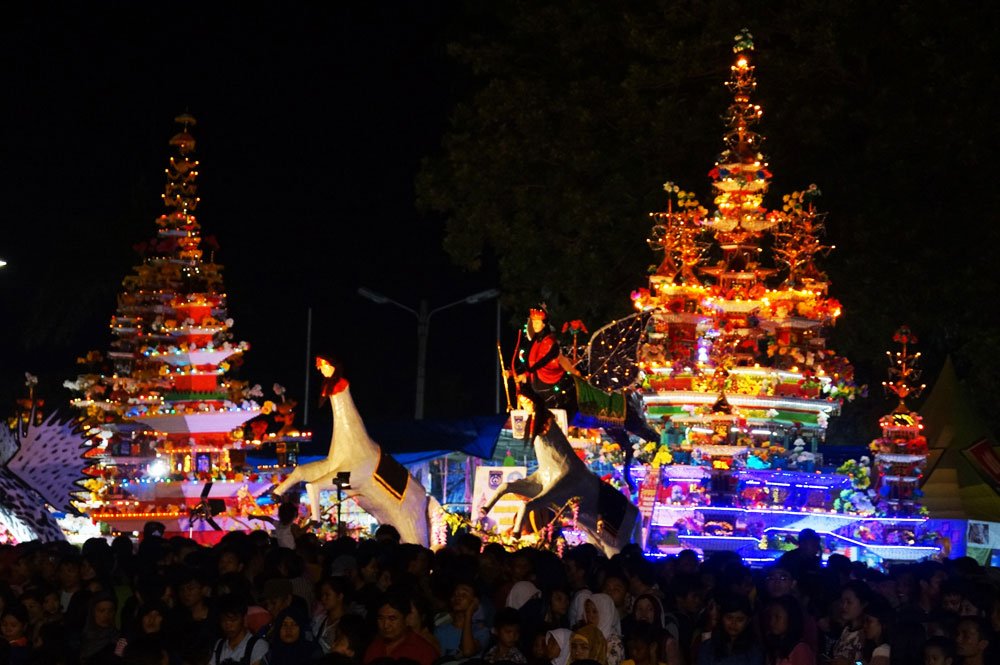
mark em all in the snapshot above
pixel 329 366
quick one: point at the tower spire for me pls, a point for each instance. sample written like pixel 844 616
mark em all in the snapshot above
pixel 180 192
pixel 740 178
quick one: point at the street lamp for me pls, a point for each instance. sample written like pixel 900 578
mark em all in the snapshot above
pixel 342 482
pixel 423 327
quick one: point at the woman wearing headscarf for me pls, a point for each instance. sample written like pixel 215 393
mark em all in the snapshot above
pixel 588 643
pixel 647 610
pixel 100 635
pixel 557 645
pixel 577 608
pixel 292 642
pixel 521 593
pixel 605 617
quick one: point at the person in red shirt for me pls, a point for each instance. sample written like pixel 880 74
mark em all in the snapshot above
pixel 395 639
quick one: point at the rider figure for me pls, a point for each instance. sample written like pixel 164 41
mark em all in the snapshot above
pixel 545 366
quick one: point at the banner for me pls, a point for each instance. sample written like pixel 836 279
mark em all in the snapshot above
pixel 487 482
pixel 985 460
pixel 982 542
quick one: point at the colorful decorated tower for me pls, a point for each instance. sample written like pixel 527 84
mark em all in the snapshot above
pixel 901 452
pixel 164 419
pixel 734 350
pixel 728 349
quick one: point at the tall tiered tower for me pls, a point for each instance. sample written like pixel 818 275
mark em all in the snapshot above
pixel 735 359
pixel 901 452
pixel 728 350
pixel 164 419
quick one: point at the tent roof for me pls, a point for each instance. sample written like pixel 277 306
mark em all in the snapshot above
pixel 953 487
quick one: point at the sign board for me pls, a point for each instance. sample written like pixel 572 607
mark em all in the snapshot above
pixel 647 501
pixel 985 460
pixel 982 542
pixel 488 480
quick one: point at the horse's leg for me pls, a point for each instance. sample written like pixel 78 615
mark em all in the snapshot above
pixel 524 512
pixel 620 436
pixel 310 472
pixel 312 490
pixel 528 487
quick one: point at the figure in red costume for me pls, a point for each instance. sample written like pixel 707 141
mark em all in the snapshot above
pixel 542 367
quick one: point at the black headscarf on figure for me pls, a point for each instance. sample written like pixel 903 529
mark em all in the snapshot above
pixel 303 650
pixel 541 417
pixel 96 641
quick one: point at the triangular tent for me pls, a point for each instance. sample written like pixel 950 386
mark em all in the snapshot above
pixel 957 484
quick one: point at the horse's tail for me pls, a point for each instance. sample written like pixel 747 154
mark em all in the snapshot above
pixel 437 527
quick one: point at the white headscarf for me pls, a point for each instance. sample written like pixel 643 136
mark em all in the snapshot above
pixel 607 615
pixel 562 637
pixel 521 593
pixel 576 610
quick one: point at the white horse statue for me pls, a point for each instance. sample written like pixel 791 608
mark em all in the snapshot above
pixel 379 484
pixel 608 518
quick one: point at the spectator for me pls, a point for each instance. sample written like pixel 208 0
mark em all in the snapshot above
pixel 805 557
pixel 732 640
pixel 463 633
pixel 878 623
pixel 605 617
pixel 292 643
pixel 421 620
pixel 100 636
pixel 784 639
pixel 642 646
pixel 507 634
pixel 577 608
pixel 939 650
pixel 352 639
pixel 972 639
pixel 521 593
pixel 557 645
pixel 14 629
pixel 236 641
pixel 333 598
pixel 394 638
pixel 779 582
pixel 588 643
pixel 854 600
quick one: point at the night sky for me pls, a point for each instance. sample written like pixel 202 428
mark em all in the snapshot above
pixel 313 119
pixel 311 126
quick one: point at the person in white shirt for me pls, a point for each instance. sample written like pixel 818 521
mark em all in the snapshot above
pixel 237 646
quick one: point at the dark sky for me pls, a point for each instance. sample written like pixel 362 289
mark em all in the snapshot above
pixel 311 125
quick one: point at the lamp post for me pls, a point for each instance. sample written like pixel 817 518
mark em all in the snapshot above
pixel 424 315
pixel 342 482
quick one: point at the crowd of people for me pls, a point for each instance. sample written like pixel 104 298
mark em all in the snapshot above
pixel 251 599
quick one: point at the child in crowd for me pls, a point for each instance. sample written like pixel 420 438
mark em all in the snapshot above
pixel 507 633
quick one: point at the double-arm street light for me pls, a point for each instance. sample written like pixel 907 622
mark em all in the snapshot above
pixel 424 315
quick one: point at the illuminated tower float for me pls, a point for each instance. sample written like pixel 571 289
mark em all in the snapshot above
pixel 165 421
pixel 730 357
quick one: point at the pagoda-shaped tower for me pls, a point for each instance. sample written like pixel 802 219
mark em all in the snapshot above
pixel 733 346
pixel 728 350
pixel 901 452
pixel 165 421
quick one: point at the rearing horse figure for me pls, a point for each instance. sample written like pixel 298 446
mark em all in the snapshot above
pixel 608 518
pixel 379 484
